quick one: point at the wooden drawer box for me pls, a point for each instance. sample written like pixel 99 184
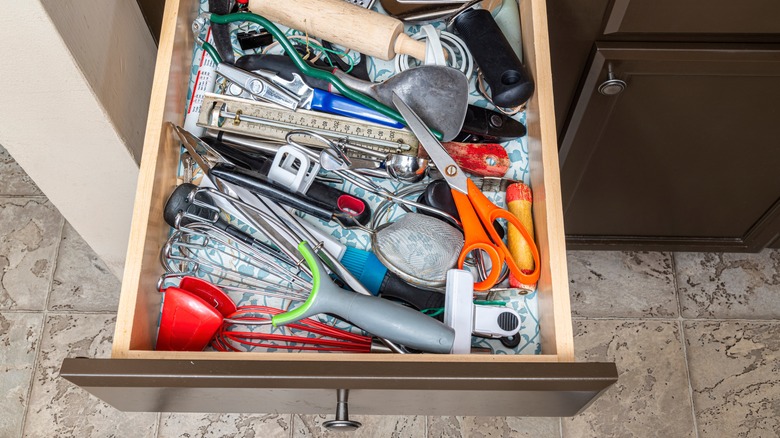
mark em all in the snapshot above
pixel 137 378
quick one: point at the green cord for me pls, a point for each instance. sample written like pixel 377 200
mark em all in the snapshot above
pixel 325 51
pixel 433 311
pixel 340 54
pixel 308 70
pixel 490 303
pixel 212 52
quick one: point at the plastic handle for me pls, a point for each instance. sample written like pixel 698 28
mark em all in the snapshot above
pixel 489 213
pixel 331 103
pixel 254 183
pixel 394 288
pixel 293 168
pixel 392 321
pixel 510 84
pixel 379 317
pixel 477 240
pixel 490 125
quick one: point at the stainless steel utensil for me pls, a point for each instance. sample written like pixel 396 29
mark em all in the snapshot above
pixel 401 167
pixel 438 94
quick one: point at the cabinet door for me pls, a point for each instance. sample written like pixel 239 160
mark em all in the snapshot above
pixel 686 157
pixel 694 17
pixel 573 26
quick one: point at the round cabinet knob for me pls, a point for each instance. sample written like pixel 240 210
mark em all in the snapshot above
pixel 612 86
pixel 342 422
pixel 342 425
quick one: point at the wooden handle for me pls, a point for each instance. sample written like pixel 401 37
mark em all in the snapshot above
pixel 480 159
pixel 343 23
pixel 406 45
pixel 519 201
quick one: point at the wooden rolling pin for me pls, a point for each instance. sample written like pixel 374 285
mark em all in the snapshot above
pixel 519 201
pixel 343 23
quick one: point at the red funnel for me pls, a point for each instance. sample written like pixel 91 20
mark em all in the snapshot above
pixel 210 294
pixel 188 323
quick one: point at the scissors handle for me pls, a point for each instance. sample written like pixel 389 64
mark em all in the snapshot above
pixel 520 274
pixel 488 213
pixel 477 239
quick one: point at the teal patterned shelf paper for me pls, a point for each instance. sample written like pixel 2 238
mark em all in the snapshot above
pixel 524 302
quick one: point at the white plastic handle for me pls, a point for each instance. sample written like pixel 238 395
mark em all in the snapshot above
pixel 283 169
pixel 459 308
pixel 434 53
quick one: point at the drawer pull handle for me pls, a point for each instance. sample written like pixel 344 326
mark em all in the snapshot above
pixel 342 423
pixel 612 86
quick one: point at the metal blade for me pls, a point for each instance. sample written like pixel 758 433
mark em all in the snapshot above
pixel 258 86
pixel 449 169
pixel 195 148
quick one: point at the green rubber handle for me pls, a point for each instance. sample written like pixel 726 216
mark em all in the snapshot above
pixel 302 311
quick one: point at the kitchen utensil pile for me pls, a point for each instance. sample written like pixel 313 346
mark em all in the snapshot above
pixel 323 212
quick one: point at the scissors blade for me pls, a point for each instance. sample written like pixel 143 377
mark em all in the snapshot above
pixel 450 170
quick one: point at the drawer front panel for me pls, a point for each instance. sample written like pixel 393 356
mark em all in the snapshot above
pixel 505 389
pixel 713 17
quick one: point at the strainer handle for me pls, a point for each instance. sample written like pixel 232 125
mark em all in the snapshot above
pixel 389 320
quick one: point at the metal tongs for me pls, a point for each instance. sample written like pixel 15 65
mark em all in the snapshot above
pixel 266 87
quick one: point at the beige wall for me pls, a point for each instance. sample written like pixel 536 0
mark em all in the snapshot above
pixel 76 78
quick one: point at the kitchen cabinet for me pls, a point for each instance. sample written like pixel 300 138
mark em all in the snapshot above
pixel 139 378
pixel 669 140
pixel 697 18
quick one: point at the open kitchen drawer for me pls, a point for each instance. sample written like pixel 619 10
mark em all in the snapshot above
pixel 137 378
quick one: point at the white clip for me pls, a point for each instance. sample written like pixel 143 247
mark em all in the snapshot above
pixel 495 322
pixel 293 168
pixel 459 308
pixel 468 318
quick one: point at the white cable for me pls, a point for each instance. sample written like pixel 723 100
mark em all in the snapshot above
pixel 458 55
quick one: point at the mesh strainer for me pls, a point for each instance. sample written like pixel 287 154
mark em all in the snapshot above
pixel 418 248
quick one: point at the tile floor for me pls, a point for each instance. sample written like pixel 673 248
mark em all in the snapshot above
pixel 696 339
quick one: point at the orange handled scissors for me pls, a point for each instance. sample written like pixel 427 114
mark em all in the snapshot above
pixel 477 213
